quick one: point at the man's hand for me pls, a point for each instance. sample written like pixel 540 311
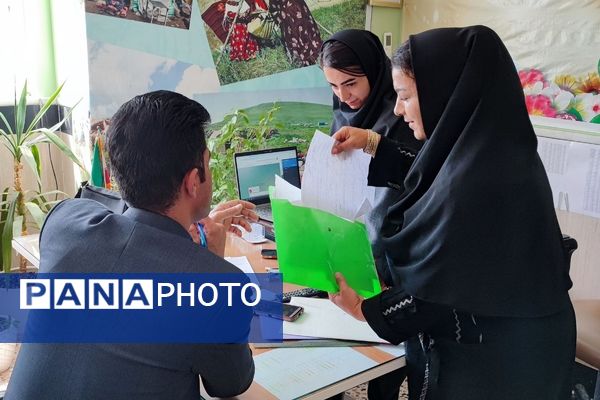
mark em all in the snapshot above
pixel 348 138
pixel 244 215
pixel 218 223
pixel 222 220
pixel 347 299
pixel 216 236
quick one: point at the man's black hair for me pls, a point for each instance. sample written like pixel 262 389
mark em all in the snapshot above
pixel 153 140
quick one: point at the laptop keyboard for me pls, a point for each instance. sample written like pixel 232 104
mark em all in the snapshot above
pixel 264 212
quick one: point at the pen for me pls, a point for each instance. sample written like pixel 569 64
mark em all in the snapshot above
pixel 202 235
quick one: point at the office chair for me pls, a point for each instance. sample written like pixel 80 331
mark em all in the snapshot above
pixel 587 313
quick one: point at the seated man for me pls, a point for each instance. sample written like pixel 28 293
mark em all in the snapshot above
pixel 158 153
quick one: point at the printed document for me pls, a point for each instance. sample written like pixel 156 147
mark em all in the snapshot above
pixel 336 183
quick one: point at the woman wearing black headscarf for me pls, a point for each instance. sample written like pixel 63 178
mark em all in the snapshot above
pixel 359 72
pixel 360 75
pixel 479 273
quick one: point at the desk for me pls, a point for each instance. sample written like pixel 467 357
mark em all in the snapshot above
pixel 383 362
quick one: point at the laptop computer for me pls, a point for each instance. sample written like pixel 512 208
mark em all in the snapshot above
pixel 255 172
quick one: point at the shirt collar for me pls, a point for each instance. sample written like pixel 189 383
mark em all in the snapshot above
pixel 157 221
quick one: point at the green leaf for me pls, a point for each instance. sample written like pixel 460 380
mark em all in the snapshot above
pixel 58 142
pixel 599 66
pixel 31 161
pixel 37 213
pixel 5 205
pixel 36 156
pixel 18 225
pixel 7 236
pixel 37 140
pixel 5 139
pixel 20 114
pixel 45 108
pixel 8 127
pixel 55 127
pixel 596 119
pixel 50 193
pixel 4 210
pixel 45 204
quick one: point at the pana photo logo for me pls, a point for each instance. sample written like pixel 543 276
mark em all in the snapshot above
pixel 133 294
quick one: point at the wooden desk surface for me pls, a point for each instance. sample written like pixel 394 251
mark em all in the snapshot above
pixel 237 247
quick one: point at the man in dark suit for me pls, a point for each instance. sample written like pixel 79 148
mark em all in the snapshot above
pixel 159 158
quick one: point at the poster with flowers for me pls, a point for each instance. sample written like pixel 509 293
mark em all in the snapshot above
pixel 569 97
pixel 554 44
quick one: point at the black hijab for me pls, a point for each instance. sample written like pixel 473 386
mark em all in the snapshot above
pixel 377 112
pixel 476 228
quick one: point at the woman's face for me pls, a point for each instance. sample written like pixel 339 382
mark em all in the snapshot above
pixel 352 90
pixel 407 102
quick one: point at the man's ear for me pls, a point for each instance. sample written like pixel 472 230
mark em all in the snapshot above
pixel 191 183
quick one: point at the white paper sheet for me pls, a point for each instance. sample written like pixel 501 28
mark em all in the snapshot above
pixel 585 165
pixel 286 191
pixel 573 169
pixel 292 372
pixel 242 263
pixel 324 319
pixel 335 183
pixel 554 154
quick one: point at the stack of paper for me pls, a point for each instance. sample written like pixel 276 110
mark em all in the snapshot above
pixel 316 231
pixel 336 183
pixel 323 319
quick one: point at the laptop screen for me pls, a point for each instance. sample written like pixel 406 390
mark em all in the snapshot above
pixel 256 171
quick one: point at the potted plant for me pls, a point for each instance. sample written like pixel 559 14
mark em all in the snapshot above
pixel 237 133
pixel 17 204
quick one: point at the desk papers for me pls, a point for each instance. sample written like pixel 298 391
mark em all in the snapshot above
pixel 291 373
pixel 336 183
pixel 318 238
pixel 324 319
pixel 574 172
pixel 242 263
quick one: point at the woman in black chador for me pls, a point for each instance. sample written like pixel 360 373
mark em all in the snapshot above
pixel 360 75
pixel 479 273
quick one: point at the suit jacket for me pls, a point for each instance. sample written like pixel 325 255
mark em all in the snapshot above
pixel 81 235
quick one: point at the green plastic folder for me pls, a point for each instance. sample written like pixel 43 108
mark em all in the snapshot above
pixel 312 245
